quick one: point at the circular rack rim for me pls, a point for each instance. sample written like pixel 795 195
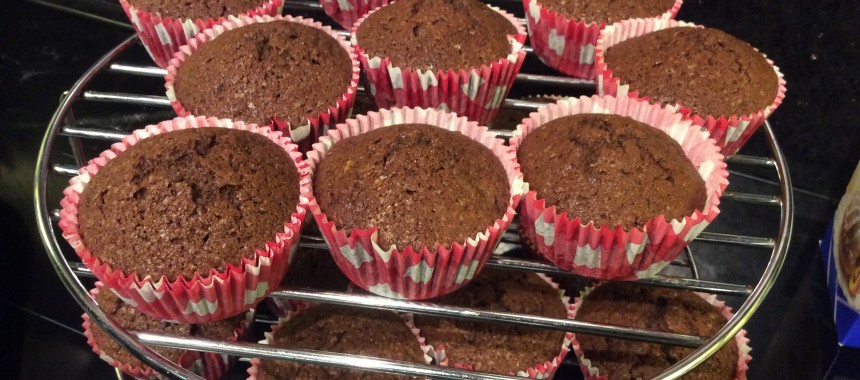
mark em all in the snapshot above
pixel 132 340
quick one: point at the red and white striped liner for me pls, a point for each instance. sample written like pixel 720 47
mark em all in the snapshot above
pixel 209 365
pixel 741 340
pixel 303 135
pixel 611 252
pixel 566 44
pixel 730 132
pixel 348 12
pixel 205 297
pixel 477 92
pixel 162 36
pixel 543 370
pixel 410 274
pixel 254 370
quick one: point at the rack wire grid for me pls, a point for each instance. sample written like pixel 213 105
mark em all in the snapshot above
pixel 685 272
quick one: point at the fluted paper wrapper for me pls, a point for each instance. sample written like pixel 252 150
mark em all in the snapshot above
pixel 430 271
pixel 303 135
pixel 611 252
pixel 543 370
pixel 477 92
pixel 593 373
pixel 730 132
pixel 205 297
pixel 567 44
pixel 162 36
pixel 348 12
pixel 209 365
pixel 254 371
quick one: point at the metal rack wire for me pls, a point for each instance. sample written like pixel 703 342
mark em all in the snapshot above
pixel 63 124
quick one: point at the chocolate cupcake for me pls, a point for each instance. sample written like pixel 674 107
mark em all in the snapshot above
pixel 500 348
pixel 339 329
pixel 292 72
pixel 426 53
pixel 656 309
pixel 208 365
pixel 597 166
pixel 722 83
pixel 408 197
pixel 563 33
pixel 618 186
pixel 402 166
pixel 165 25
pixel 181 204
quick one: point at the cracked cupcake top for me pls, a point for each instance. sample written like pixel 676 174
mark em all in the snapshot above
pixel 704 69
pixel 419 184
pixel 436 34
pixel 259 71
pixel 610 169
pixel 184 202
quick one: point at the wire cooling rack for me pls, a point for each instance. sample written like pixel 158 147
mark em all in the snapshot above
pixel 681 274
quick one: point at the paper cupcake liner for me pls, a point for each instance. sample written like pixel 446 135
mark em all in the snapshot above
pixel 476 93
pixel 205 297
pixel 303 135
pixel 254 370
pixel 741 340
pixel 611 252
pixel 407 273
pixel 162 37
pixel 543 370
pixel 209 365
pixel 730 132
pixel 565 44
pixel 348 12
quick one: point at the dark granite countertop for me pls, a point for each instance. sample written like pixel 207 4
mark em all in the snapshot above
pixel 43 51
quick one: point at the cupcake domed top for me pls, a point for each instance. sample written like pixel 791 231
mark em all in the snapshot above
pixel 436 34
pixel 610 169
pixel 419 184
pixel 345 330
pixel 183 202
pixel 492 347
pixel 282 69
pixel 658 309
pixel 703 69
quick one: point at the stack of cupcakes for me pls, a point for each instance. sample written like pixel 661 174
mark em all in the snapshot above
pixel 197 219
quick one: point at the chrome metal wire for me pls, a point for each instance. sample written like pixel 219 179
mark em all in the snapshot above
pixel 62 124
